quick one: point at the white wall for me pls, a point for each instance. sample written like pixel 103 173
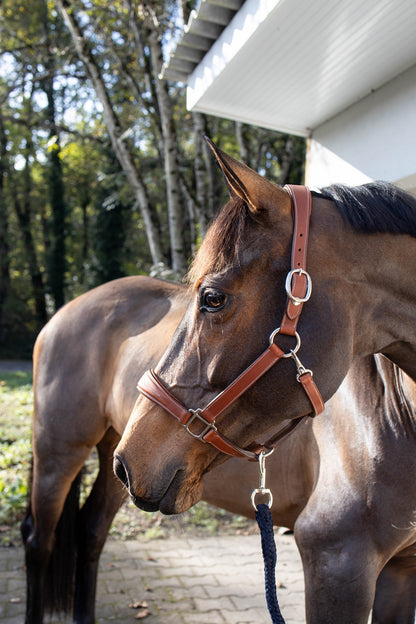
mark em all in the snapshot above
pixel 374 139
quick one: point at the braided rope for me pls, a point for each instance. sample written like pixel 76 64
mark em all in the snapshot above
pixel 268 545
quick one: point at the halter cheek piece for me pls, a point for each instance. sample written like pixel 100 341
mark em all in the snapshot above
pixel 298 289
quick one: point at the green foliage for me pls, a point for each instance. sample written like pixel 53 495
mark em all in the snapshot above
pixel 16 402
pixel 69 213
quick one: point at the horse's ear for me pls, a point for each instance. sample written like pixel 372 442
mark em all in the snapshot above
pixel 244 182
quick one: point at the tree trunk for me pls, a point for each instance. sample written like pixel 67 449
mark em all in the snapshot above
pixel 192 217
pixel 242 143
pixel 57 256
pixel 210 167
pixel 145 63
pixel 85 202
pixel 113 127
pixel 287 159
pixel 175 212
pixel 200 172
pixel 5 286
pixel 24 215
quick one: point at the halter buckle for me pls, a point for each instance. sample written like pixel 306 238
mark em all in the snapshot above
pixel 288 285
pixel 196 414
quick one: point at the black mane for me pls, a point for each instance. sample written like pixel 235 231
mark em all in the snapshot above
pixel 375 207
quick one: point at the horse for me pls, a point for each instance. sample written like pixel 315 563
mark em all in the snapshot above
pixel 86 364
pixel 338 481
pixel 86 361
pixel 228 375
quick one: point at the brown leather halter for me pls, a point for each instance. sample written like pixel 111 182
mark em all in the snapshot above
pixel 298 288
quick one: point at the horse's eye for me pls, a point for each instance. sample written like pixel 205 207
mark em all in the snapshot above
pixel 212 301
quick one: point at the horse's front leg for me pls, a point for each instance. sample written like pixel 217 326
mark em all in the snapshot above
pixel 395 601
pixel 340 569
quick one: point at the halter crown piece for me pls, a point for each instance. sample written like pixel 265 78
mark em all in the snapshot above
pixel 298 289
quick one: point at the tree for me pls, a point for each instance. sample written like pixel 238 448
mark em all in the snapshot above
pixel 57 257
pixel 5 285
pixel 117 136
pixel 153 31
pixel 24 211
pixel 103 172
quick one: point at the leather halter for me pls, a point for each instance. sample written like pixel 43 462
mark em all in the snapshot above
pixel 298 288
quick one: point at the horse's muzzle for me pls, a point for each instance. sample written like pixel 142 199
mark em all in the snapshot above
pixel 166 500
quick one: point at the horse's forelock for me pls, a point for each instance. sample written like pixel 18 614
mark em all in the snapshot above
pixel 222 243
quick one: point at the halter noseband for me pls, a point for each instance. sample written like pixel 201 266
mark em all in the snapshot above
pixel 298 289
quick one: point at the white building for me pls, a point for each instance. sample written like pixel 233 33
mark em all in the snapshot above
pixel 342 74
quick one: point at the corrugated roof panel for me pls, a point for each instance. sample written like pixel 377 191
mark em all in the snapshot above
pixel 215 13
pixel 305 61
pixel 190 54
pixel 205 25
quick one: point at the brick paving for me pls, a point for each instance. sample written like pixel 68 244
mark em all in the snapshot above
pixel 184 580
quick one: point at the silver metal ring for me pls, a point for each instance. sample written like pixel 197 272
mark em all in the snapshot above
pixel 292 351
pixel 263 492
pixel 288 285
pixel 265 454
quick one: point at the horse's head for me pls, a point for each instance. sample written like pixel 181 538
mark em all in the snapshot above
pixel 239 298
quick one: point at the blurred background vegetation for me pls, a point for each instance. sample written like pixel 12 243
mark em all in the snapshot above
pixel 16 404
pixel 103 171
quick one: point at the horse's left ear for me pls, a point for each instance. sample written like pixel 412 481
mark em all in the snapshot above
pixel 244 182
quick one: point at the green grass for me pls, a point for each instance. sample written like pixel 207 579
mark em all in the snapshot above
pixel 16 399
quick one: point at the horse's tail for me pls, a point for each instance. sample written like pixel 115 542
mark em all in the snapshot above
pixel 60 577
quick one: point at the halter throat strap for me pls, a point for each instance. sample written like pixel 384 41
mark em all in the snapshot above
pixel 298 289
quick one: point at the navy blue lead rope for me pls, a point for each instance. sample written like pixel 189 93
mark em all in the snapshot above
pixel 268 545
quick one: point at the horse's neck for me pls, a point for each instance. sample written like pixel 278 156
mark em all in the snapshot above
pixel 394 308
pixel 404 355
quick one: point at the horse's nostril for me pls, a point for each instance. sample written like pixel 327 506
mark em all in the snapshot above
pixel 121 471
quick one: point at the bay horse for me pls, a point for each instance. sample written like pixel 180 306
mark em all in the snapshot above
pixel 346 483
pixel 337 480
pixel 228 374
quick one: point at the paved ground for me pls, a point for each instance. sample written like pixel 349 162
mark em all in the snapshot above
pixel 210 580
pixel 15 365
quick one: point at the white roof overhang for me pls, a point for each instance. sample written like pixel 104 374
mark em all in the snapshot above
pixel 291 65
